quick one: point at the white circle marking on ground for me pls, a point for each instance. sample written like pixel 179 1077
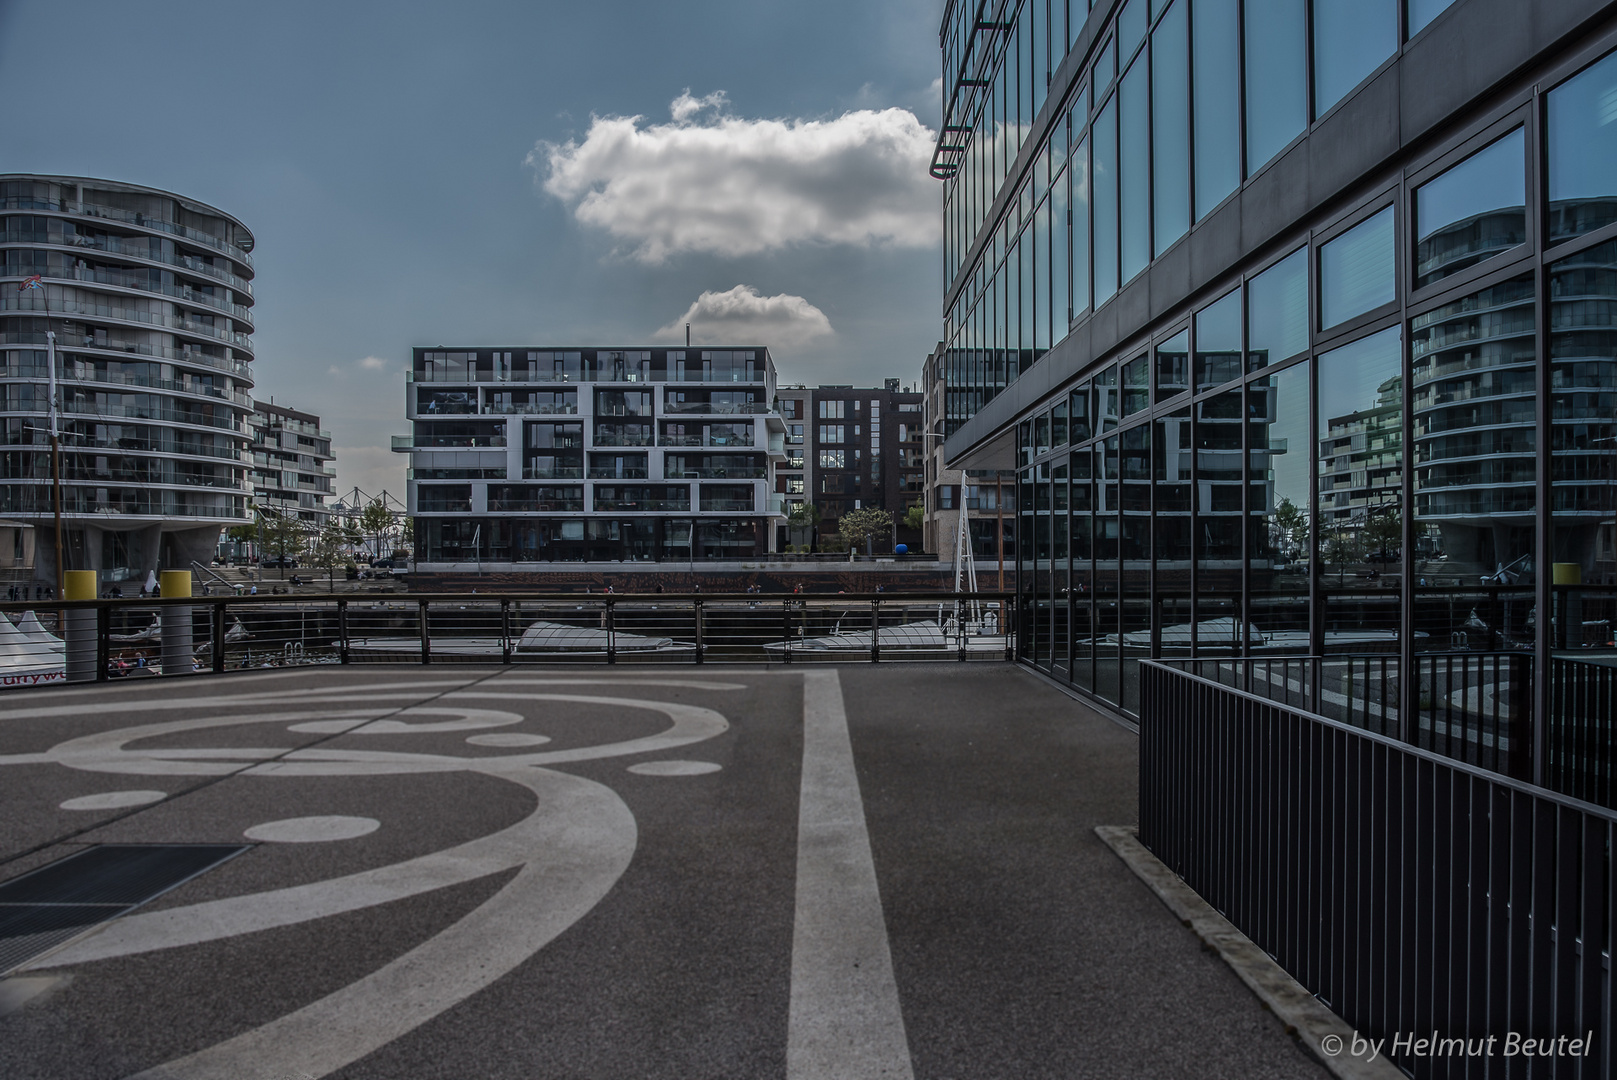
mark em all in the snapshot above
pixel 312 830
pixel 114 800
pixel 507 738
pixel 674 768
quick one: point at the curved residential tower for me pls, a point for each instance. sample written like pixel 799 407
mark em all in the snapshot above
pixel 149 297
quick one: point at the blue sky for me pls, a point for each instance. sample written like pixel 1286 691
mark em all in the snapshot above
pixel 462 173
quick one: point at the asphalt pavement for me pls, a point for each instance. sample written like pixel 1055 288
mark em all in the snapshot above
pixel 818 873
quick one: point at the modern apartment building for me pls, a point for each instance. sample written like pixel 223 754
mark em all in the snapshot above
pixel 865 451
pixel 148 296
pixel 525 456
pixel 292 473
pixel 1298 323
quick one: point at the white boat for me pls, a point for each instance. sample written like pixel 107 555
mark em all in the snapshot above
pixel 916 637
pixel 26 658
pixel 539 638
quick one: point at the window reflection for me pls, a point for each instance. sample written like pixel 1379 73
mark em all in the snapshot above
pixel 1173 366
pixel 1278 466
pixel 1219 482
pixel 1104 149
pixel 1276 78
pixel 1170 129
pixel 1471 212
pixel 1357 271
pixel 1136 386
pixel 1277 311
pixel 1218 341
pixel 1351 39
pixel 1422 12
pixel 1473 379
pixel 1134 174
pixel 1360 511
pixel 1582 139
pixel 1215 48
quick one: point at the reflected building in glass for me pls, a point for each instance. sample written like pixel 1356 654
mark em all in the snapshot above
pixel 1300 336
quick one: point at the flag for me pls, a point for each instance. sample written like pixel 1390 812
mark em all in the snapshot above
pixel 35 282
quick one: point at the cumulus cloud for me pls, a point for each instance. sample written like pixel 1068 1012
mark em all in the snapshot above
pixel 740 316
pixel 710 182
pixel 373 363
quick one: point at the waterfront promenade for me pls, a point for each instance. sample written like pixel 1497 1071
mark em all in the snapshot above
pixel 820 873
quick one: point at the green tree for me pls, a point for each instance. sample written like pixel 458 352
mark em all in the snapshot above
pixel 1384 531
pixel 280 535
pixel 1291 526
pixel 863 526
pixel 915 517
pixel 327 552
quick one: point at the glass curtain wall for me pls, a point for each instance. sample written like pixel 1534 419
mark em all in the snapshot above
pixel 1397 457
pixel 1174 104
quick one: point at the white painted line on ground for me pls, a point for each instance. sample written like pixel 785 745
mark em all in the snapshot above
pixel 844 1021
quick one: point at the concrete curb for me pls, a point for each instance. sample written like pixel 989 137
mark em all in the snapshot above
pixel 1301 1013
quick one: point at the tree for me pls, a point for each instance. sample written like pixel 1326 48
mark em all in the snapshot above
pixel 1291 527
pixel 280 535
pixel 376 521
pixel 915 517
pixel 804 518
pixel 327 551
pixel 1385 529
pixel 863 526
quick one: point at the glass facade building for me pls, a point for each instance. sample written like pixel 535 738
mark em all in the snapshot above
pixel 1297 320
pixel 149 297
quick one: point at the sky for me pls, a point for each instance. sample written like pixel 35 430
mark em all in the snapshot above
pixel 516 174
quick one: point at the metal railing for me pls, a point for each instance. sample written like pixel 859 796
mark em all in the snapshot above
pixel 1411 892
pixel 1475 707
pixel 119 638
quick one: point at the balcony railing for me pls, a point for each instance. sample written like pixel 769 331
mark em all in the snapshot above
pixel 30 302
pixel 708 408
pixel 114 245
pixel 126 281
pixel 42 374
pixel 481 376
pixel 108 213
pixel 447 442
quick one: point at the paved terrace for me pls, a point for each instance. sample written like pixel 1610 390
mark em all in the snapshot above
pixel 820 874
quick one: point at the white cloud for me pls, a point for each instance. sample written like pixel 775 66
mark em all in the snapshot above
pixel 740 316
pixel 373 363
pixel 684 107
pixel 710 182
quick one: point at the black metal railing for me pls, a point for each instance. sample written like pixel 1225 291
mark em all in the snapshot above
pixel 1413 893
pixel 120 638
pixel 1475 707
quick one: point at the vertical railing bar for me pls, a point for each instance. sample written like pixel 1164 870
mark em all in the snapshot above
pixel 426 641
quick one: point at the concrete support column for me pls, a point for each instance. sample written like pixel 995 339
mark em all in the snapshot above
pixel 178 646
pixel 79 634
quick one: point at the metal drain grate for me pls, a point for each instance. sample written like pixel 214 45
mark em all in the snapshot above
pixel 48 906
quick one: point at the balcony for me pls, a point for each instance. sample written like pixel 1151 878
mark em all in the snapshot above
pixel 407 443
pixel 121 280
pixel 705 408
pixel 28 302
pixel 108 213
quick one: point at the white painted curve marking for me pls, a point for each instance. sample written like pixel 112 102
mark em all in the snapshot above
pixel 507 739
pixel 674 768
pixel 312 830
pixel 588 837
pixel 843 1021
pixel 114 800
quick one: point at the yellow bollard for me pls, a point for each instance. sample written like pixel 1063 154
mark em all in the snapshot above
pixel 80 585
pixel 79 632
pixel 178 646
